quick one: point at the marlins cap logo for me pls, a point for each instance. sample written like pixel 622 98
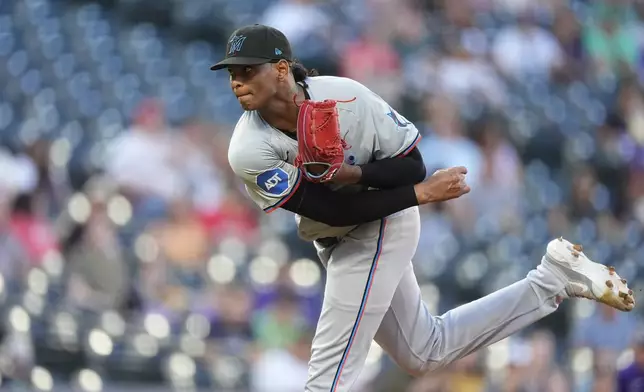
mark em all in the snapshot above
pixel 236 43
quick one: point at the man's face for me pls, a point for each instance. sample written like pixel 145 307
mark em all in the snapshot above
pixel 253 85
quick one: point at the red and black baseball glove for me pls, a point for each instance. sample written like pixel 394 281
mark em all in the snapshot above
pixel 320 145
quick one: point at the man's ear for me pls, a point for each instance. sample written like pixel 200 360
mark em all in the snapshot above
pixel 282 68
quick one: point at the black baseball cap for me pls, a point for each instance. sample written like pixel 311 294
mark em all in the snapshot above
pixel 255 44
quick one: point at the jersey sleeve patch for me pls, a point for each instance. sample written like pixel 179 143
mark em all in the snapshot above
pixel 397 118
pixel 275 182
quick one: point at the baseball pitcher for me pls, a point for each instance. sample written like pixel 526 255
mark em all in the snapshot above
pixel 345 163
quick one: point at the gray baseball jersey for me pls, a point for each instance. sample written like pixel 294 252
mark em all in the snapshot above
pixel 262 156
pixel 371 291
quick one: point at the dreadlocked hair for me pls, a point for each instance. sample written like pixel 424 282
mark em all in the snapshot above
pixel 300 73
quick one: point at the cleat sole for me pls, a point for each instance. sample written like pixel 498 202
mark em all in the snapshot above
pixel 607 286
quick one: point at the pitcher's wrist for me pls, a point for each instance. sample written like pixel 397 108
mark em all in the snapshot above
pixel 348 174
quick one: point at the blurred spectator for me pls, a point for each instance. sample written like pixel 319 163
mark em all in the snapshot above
pixel 558 220
pixel 447 145
pixel 527 50
pixel 283 369
pixel 629 118
pixel 297 19
pixel 278 325
pixel 371 60
pixel 630 109
pixel 14 261
pixel 631 379
pixel 436 236
pixel 587 332
pixel 518 368
pixel 183 245
pixel 20 174
pixel 543 361
pixel 559 382
pixel 144 161
pixel 223 210
pixel 232 320
pixel 567 29
pixel 461 23
pixel 612 37
pixel 466 375
pixel 17 353
pixel 498 192
pixel 611 162
pixel 516 7
pixel 233 217
pixel 308 28
pixel 51 188
pixel 583 189
pixel 20 246
pixel 410 35
pixel 34 233
pixel 464 77
pixel 436 382
pixel 161 296
pixel 604 371
pixel 205 180
pixel 97 277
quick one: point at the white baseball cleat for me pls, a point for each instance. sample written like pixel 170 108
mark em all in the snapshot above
pixel 588 279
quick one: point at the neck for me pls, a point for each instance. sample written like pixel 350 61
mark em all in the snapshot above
pixel 281 111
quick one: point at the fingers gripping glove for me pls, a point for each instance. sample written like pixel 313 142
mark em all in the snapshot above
pixel 319 141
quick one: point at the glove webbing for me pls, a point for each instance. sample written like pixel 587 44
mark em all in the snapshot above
pixel 333 147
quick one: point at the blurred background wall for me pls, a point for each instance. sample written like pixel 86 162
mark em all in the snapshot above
pixel 132 260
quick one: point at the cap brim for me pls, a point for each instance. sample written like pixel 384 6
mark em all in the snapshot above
pixel 239 61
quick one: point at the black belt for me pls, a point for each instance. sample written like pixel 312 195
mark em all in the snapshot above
pixel 328 241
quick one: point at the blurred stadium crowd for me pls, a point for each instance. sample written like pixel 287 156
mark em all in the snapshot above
pixel 132 260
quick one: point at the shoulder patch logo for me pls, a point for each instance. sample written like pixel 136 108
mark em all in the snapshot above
pixel 397 118
pixel 273 182
pixel 235 44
